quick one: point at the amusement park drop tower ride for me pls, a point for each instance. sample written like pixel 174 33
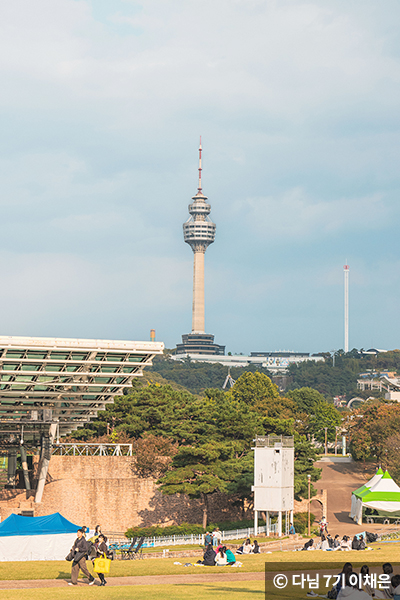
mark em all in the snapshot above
pixel 199 233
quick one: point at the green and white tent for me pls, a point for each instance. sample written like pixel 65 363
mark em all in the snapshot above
pixel 383 495
pixel 358 493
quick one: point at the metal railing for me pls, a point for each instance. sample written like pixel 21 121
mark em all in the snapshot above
pixel 83 449
pixel 194 538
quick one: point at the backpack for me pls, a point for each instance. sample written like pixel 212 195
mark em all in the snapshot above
pixel 332 594
pixel 91 549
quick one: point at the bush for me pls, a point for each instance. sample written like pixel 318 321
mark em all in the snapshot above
pixel 188 528
pixel 301 522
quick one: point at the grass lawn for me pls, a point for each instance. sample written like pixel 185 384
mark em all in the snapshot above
pixel 165 566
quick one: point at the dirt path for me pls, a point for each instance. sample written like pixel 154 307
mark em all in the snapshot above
pixel 340 479
pixel 208 577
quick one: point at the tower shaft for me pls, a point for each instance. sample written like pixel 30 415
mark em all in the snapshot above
pixel 346 307
pixel 198 320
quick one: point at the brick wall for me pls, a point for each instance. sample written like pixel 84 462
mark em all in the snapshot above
pixel 91 490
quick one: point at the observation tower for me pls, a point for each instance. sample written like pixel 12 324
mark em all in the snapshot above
pixel 199 233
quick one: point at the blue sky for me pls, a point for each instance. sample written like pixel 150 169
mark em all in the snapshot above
pixel 102 103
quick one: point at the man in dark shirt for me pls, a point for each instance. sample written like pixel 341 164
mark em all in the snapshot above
pixel 80 549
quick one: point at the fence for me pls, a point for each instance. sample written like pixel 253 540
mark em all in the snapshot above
pixel 194 538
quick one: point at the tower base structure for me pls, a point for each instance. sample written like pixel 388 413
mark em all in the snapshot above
pixel 199 343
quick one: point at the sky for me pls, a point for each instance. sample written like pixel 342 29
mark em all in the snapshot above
pixel 102 103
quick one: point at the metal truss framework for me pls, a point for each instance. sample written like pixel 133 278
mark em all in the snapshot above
pixel 63 382
pixel 82 449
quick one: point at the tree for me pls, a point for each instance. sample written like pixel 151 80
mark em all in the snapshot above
pixel 255 389
pixel 153 455
pixel 199 471
pixel 325 415
pixel 371 427
pixel 305 454
pixel 306 399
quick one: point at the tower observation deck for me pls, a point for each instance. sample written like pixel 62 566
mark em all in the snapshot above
pixel 199 233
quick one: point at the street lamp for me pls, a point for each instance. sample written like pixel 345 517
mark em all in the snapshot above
pixel 309 504
pixel 326 440
pixel 336 429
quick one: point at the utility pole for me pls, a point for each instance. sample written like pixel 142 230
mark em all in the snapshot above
pixel 309 504
pixel 346 269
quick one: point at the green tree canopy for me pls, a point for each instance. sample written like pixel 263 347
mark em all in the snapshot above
pixel 325 415
pixel 306 399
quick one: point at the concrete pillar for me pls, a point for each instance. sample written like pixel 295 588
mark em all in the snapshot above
pixel 12 467
pixel 291 516
pixel 44 461
pixel 267 523
pixel 280 524
pixel 198 292
pixel 25 468
pixel 255 522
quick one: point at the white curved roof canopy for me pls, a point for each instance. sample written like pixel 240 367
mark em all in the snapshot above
pixel 63 381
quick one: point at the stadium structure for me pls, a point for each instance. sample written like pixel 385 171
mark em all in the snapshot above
pixel 50 386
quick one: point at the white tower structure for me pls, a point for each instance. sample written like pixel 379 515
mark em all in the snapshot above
pixel 346 269
pixel 199 233
pixel 274 479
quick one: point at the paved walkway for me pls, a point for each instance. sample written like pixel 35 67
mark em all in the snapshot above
pixel 340 479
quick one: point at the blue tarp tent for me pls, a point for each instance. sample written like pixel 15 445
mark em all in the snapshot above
pixel 36 538
pixel 17 525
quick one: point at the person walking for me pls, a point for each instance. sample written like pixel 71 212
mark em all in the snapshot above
pixel 101 551
pixel 80 550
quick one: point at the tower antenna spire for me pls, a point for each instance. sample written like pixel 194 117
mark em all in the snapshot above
pixel 200 169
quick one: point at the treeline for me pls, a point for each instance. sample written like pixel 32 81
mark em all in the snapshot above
pixel 197 376
pixel 200 445
pixel 374 434
pixel 337 376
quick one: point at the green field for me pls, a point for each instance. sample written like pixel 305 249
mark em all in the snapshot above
pixel 60 570
pixel 165 566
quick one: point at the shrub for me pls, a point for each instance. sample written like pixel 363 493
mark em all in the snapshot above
pixel 301 521
pixel 188 528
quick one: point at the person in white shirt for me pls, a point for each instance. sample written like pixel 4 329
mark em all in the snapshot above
pixel 247 547
pixel 220 559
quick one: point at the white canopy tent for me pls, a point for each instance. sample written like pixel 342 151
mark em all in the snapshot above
pixel 357 493
pixel 384 496
pixel 36 538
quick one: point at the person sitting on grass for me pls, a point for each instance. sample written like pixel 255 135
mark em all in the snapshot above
pixel 365 585
pixel 247 547
pixel 350 589
pixel 386 593
pixel 395 581
pixel 230 557
pixel 336 542
pixel 309 545
pixel 221 559
pixel 209 557
pixel 256 547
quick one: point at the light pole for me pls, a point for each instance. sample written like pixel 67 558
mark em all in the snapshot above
pixel 326 440
pixel 336 440
pixel 309 504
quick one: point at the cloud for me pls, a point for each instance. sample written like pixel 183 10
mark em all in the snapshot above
pixel 102 104
pixel 294 216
